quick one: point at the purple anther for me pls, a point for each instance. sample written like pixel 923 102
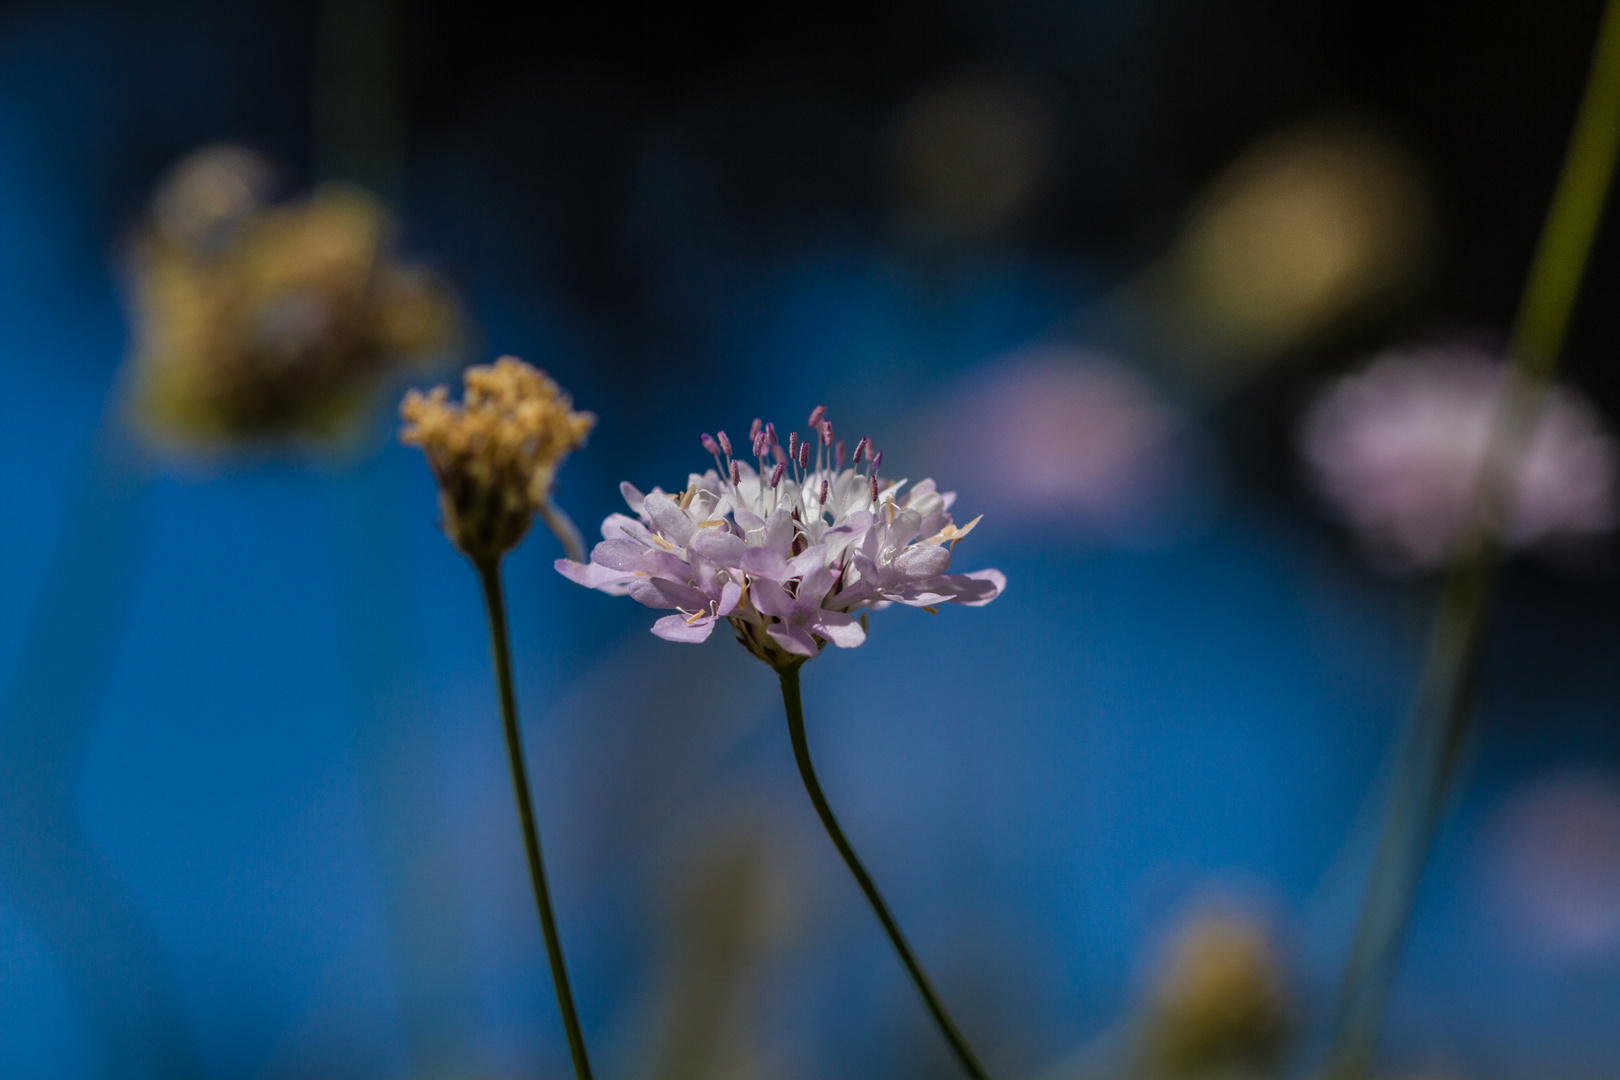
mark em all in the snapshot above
pixel 823 499
pixel 736 474
pixel 816 414
pixel 779 454
pixel 709 444
pixel 860 449
pixel 877 462
pixel 838 455
pixel 770 433
pixel 776 473
pixel 725 443
pixel 872 487
pixel 793 444
pixel 804 455
pixel 762 445
pixel 755 427
pixel 826 433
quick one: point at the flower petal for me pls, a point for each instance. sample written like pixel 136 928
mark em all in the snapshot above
pixel 771 599
pixel 591 575
pixel 923 561
pixel 632 496
pixel 720 548
pixel 676 628
pixel 795 639
pixel 840 629
pixel 669 519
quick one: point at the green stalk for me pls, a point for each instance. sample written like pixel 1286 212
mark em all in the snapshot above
pixel 489 573
pixel 801 754
pixel 1439 723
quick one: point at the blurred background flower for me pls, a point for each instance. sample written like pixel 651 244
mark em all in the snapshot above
pixel 1069 439
pixel 1398 451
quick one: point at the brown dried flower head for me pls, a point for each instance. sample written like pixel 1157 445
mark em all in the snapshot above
pixel 257 321
pixel 495 454
pixel 1220 1004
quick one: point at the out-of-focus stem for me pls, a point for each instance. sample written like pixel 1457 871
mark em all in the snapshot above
pixel 1439 722
pixel 563 527
pixel 919 977
pixel 489 573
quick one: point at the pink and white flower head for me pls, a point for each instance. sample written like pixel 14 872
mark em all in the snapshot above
pixel 792 547
pixel 1398 450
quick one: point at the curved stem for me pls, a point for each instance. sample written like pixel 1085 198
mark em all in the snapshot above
pixel 563 527
pixel 490 574
pixel 807 772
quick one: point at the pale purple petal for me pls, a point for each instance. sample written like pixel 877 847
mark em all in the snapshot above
pixel 620 555
pixel 663 593
pixel 670 520
pixel 676 628
pixel 795 639
pixel 632 497
pixel 591 575
pixel 770 599
pixel 842 630
pixel 720 548
pixel 923 561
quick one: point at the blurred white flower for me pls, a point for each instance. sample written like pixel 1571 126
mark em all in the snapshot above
pixel 1065 435
pixel 1397 450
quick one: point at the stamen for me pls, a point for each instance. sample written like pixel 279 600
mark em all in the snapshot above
pixel 839 455
pixel 754 428
pixel 770 433
pixel 826 433
pixel 823 499
pixel 762 445
pixel 725 443
pixel 779 454
pixel 710 445
pixel 736 474
pixel 816 414
pixel 793 444
pixel 776 473
pixel 877 461
pixel 804 455
pixel 872 487
pixel 861 448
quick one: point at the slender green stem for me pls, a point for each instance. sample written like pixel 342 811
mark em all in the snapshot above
pixel 490 574
pixel 807 772
pixel 1438 726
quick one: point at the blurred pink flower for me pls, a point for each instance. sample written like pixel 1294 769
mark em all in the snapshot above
pixel 1555 853
pixel 1397 450
pixel 1064 434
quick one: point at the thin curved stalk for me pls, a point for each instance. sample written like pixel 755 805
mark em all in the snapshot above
pixel 801 754
pixel 1438 726
pixel 489 574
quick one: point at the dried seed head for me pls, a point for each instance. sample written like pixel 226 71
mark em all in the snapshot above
pixel 495 454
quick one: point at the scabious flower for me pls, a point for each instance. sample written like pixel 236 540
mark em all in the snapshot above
pixel 791 548
pixel 1399 448
pixel 496 454
pixel 259 321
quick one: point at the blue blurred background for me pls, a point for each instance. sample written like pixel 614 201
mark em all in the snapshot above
pixel 257 821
